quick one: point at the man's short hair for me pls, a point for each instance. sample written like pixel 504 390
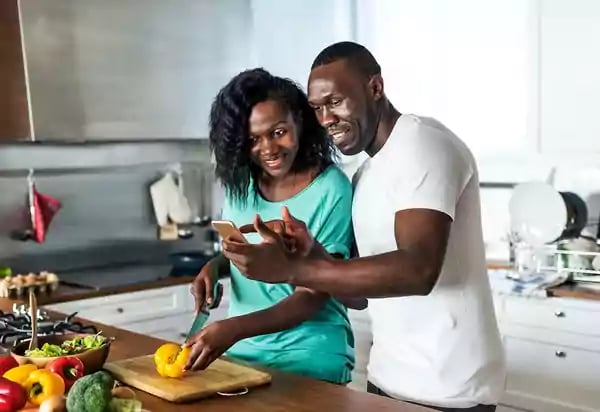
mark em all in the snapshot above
pixel 357 55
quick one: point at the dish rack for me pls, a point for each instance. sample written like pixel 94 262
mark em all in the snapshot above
pixel 581 266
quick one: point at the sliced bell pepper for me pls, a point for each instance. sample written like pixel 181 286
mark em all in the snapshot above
pixel 12 396
pixel 20 373
pixel 43 384
pixel 170 360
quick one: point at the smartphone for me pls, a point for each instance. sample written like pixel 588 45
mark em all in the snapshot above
pixel 227 229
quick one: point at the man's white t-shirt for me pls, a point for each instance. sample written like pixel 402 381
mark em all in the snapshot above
pixel 443 349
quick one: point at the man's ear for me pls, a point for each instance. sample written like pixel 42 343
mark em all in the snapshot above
pixel 376 87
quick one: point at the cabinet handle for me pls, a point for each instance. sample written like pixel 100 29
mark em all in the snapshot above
pixel 183 335
pixel 560 354
pixel 120 310
pixel 560 314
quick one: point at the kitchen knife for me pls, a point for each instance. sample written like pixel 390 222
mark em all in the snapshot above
pixel 204 313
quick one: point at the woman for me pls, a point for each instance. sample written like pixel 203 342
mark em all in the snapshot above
pixel 271 152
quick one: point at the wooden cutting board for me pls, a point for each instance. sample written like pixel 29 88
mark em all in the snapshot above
pixel 220 376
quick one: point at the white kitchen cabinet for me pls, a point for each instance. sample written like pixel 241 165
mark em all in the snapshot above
pixel 552 348
pixel 170 328
pixel 165 313
pixel 569 67
pixel 551 375
pixel 125 308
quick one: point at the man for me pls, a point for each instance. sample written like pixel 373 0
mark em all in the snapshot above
pixel 417 222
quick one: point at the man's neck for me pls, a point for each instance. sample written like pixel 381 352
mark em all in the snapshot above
pixel 387 120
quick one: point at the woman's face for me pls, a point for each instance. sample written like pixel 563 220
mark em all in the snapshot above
pixel 274 137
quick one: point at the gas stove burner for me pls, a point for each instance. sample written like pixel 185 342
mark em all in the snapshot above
pixel 23 310
pixel 15 328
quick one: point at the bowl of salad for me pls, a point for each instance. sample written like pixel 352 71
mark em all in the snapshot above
pixel 91 349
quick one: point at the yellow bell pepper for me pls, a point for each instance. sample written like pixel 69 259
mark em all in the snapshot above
pixel 43 384
pixel 170 359
pixel 20 373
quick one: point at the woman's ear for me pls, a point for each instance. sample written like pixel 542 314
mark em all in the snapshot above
pixel 376 87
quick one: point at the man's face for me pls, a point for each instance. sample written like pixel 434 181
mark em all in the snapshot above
pixel 340 98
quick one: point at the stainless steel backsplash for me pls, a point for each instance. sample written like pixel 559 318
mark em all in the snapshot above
pixel 107 215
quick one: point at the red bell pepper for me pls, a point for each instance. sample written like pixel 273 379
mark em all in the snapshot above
pixel 70 368
pixel 7 363
pixel 12 396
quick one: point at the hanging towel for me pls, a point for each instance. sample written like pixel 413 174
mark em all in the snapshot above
pixel 43 208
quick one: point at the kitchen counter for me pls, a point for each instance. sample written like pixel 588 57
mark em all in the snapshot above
pixel 566 290
pixel 287 392
pixel 575 291
pixel 68 293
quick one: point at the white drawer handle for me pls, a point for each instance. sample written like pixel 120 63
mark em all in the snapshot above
pixel 560 314
pixel 120 310
pixel 560 354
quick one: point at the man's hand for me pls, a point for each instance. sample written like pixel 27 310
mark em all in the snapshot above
pixel 270 261
pixel 210 343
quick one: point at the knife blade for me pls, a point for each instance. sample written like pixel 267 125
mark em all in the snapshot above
pixel 204 312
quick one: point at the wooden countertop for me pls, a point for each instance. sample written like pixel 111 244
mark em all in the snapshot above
pixel 67 293
pixel 574 290
pixel 287 392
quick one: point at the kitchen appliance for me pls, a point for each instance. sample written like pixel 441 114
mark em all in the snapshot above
pixel 16 327
pixel 221 377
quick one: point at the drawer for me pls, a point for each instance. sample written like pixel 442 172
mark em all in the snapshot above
pixel 129 307
pixel 551 314
pixel 552 374
pixel 170 328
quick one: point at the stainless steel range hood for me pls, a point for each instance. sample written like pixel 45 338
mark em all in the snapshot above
pixel 129 69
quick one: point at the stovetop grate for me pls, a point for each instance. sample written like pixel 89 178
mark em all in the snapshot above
pixel 16 328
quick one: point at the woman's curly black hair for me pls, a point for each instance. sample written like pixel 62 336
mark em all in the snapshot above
pixel 229 129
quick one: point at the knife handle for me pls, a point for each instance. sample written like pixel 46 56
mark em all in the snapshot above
pixel 217 295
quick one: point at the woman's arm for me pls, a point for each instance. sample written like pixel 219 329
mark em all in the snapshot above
pixel 300 306
pixel 213 340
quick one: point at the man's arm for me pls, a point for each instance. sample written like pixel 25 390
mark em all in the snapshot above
pixel 412 269
pixel 356 303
